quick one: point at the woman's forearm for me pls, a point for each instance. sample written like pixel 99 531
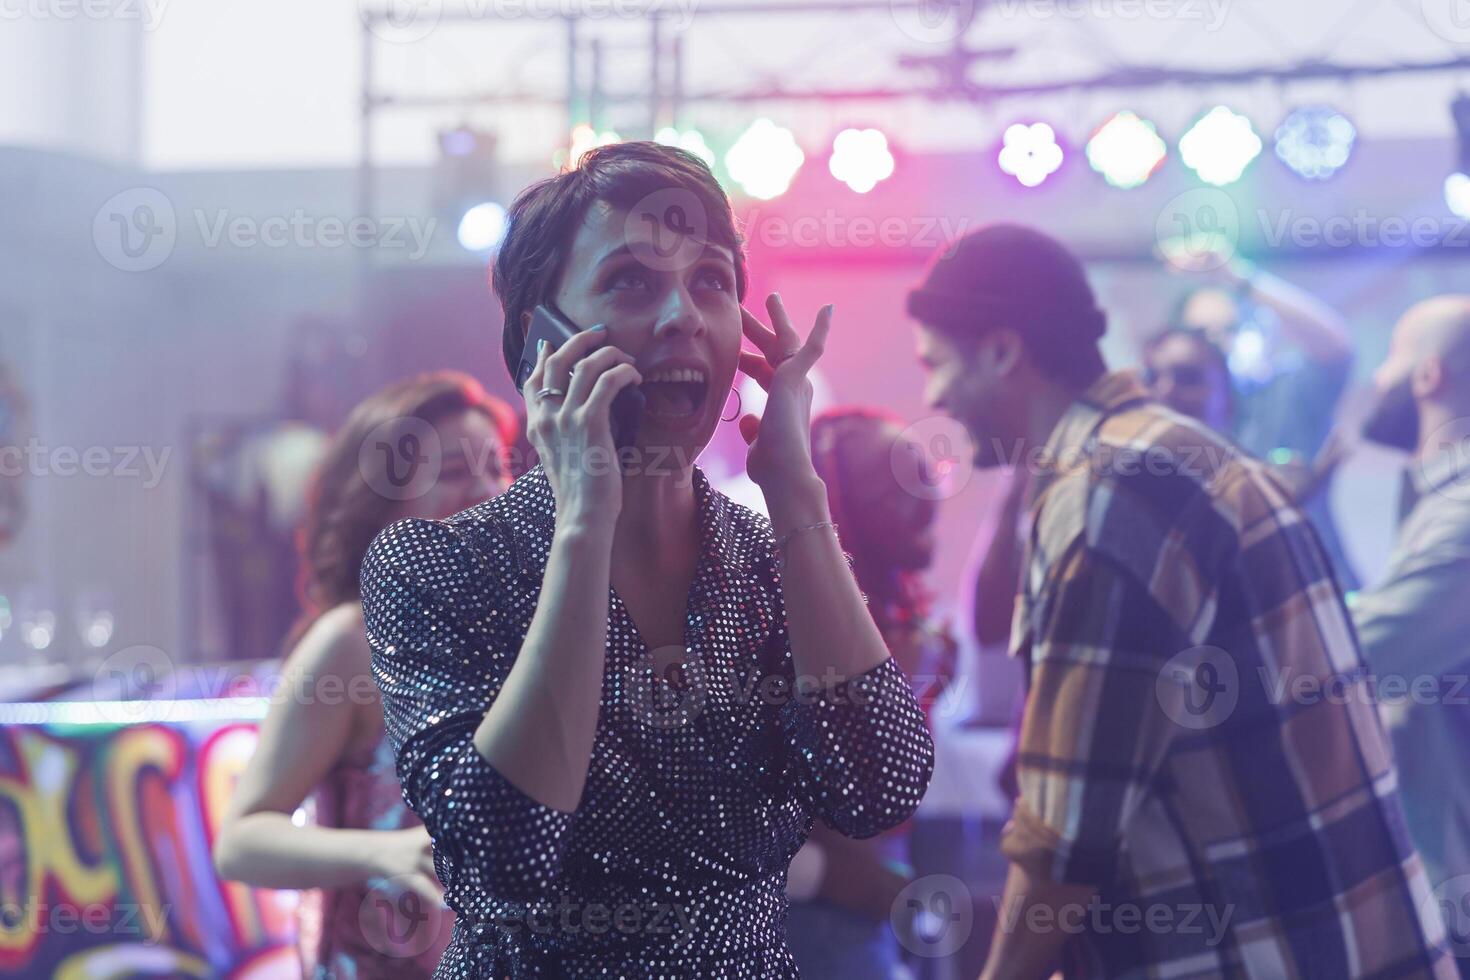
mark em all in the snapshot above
pixel 832 635
pixel 539 732
pixel 1320 330
pixel 267 850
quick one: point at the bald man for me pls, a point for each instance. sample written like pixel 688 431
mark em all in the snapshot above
pixel 1415 626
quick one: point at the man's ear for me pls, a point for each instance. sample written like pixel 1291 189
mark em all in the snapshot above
pixel 1428 377
pixel 1007 350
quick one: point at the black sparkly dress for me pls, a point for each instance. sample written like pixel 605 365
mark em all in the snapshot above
pixel 703 781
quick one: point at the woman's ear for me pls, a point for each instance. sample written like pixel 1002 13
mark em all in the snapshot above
pixel 525 323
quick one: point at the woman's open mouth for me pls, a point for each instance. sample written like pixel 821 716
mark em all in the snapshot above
pixel 675 394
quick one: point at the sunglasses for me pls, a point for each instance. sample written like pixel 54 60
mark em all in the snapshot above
pixel 1187 375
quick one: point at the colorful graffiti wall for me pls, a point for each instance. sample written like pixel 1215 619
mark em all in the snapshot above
pixel 105 871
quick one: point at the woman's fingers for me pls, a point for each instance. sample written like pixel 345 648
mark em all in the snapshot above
pixel 757 367
pixel 608 384
pixel 589 369
pixel 816 341
pixel 533 381
pixel 750 427
pixel 559 365
pixel 786 336
pixel 761 335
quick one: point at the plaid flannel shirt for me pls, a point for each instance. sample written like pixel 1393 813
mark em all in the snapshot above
pixel 1199 743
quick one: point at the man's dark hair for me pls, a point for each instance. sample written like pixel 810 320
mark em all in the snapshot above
pixel 545 217
pixel 1012 276
pixel 1218 359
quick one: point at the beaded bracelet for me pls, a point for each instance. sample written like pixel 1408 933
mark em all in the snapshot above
pixel 780 544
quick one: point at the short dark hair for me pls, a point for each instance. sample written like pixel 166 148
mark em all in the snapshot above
pixel 1014 276
pixel 1219 360
pixel 545 217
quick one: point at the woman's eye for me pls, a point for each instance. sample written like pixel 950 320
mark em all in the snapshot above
pixel 630 279
pixel 714 278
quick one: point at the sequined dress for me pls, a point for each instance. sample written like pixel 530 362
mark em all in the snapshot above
pixel 703 781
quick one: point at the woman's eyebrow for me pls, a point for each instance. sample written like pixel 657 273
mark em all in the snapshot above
pixel 713 251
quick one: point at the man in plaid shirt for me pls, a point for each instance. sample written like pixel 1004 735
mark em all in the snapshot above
pixel 1205 786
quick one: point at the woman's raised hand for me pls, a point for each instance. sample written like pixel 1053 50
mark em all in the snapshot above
pixel 570 425
pixel 780 440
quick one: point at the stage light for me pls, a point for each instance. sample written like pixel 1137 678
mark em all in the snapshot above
pixel 1126 150
pixel 860 158
pixel 1315 141
pixel 585 138
pixel 1030 153
pixel 1457 184
pixel 691 140
pixel 1219 146
pixel 459 142
pixel 1457 194
pixel 482 227
pixel 1250 355
pixel 764 160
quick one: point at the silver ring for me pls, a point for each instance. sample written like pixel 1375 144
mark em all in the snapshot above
pixel 544 392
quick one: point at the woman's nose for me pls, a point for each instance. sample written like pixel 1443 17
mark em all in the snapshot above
pixel 680 315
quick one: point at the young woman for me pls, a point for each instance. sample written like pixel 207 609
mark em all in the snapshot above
pixel 425 448
pixel 619 699
pixel 839 922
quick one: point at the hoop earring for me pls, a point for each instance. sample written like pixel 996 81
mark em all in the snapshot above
pixel 738 406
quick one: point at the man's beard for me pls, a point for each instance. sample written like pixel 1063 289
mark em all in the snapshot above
pixel 1394 421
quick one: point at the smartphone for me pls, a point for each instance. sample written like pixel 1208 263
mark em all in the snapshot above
pixel 550 324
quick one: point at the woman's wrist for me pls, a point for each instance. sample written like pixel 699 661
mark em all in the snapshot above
pixel 796 504
pixel 584 527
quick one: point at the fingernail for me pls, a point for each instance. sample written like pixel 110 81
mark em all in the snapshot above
pixel 540 346
pixel 599 328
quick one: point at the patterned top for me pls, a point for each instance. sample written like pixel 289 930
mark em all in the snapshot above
pixel 378 930
pixel 1199 743
pixel 702 786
